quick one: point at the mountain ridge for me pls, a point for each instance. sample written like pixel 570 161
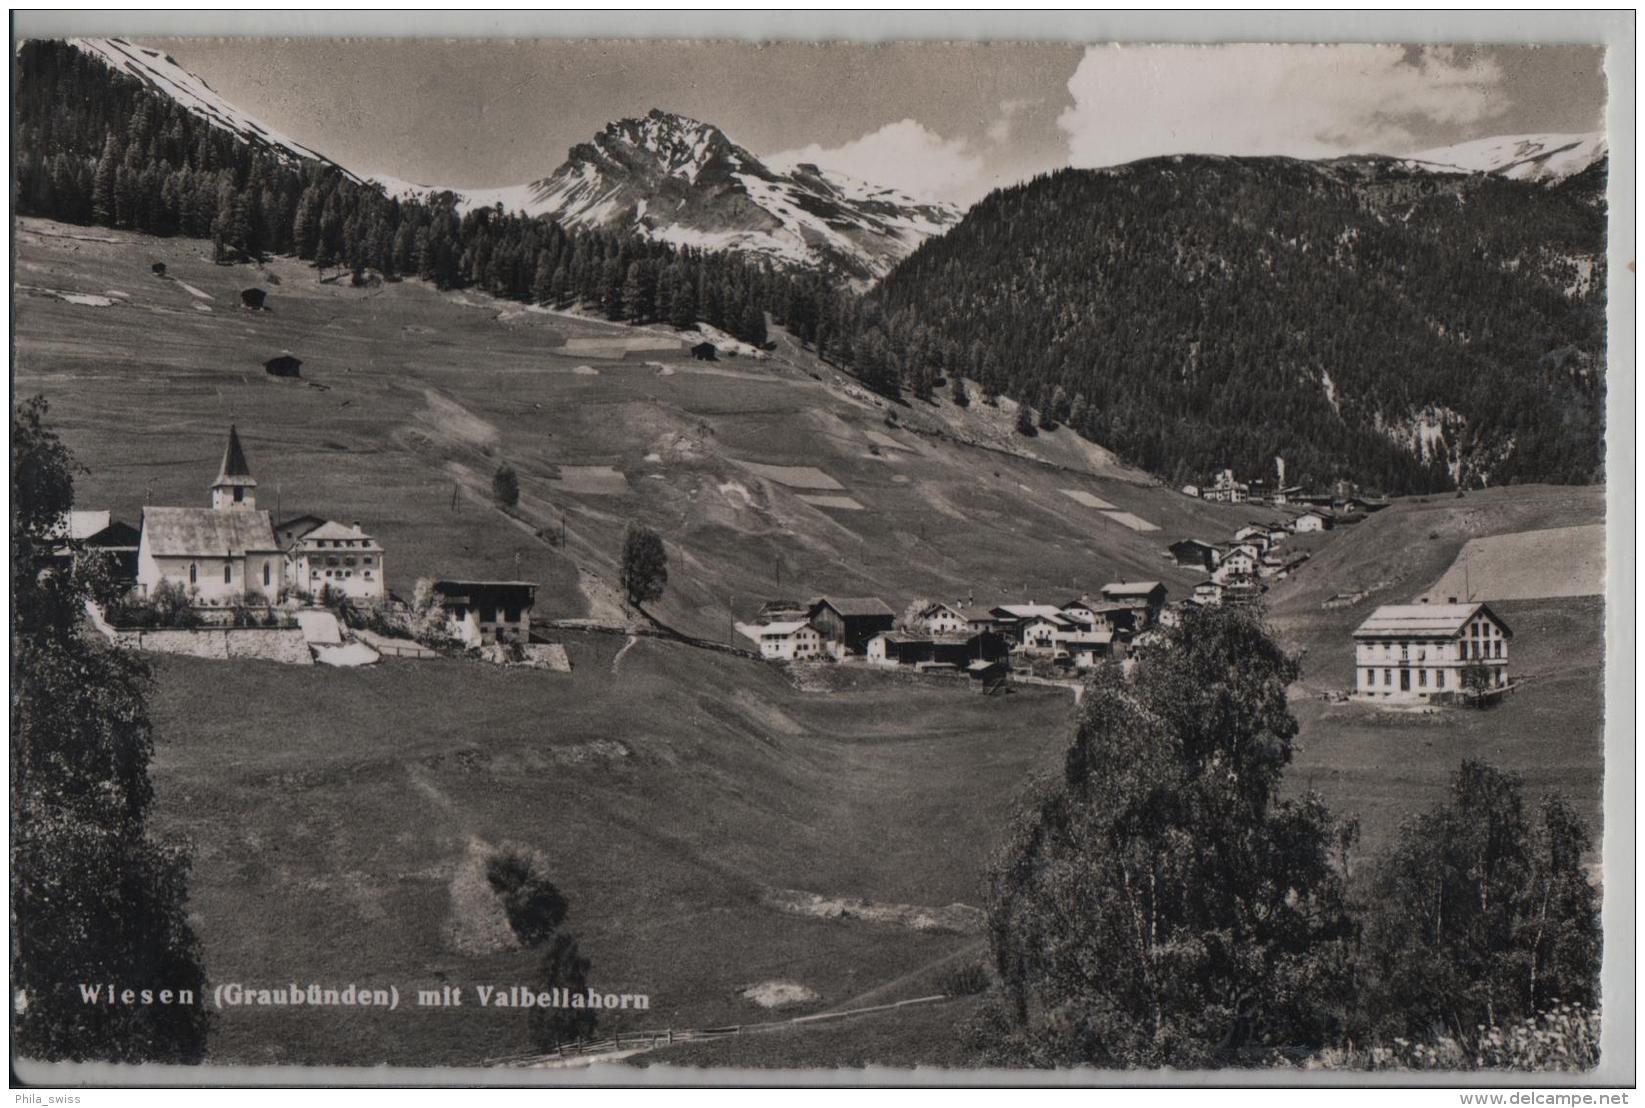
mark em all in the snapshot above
pixel 675 179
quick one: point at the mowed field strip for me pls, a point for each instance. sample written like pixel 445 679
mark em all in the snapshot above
pixel 1528 565
pixel 841 503
pixel 796 477
pixel 1135 522
pixel 1083 497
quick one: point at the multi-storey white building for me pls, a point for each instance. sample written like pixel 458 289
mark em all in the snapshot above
pixel 1415 651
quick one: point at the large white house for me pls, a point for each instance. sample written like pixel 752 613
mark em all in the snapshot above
pixel 336 555
pixel 790 640
pixel 222 555
pixel 1415 651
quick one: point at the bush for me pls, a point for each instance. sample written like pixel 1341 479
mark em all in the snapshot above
pixel 966 979
pixel 505 486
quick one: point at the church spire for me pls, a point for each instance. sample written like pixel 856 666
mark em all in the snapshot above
pixel 234 487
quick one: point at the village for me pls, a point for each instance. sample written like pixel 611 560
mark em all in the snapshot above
pixel 230 581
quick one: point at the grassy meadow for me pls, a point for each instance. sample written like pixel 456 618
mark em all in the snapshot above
pixel 340 818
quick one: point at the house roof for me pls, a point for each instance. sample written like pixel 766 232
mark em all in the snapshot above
pixel 235 470
pixel 1194 542
pixel 1030 611
pixel 786 627
pixel 856 605
pixel 975 614
pixel 116 536
pixel 1091 638
pixel 1134 588
pixel 206 532
pixel 1424 620
pixel 76 525
pixel 333 531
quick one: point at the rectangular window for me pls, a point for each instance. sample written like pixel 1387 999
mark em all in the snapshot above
pixel 1499 648
pixel 1422 678
pixel 368 559
pixel 1370 678
pixel 1439 679
pixel 1387 677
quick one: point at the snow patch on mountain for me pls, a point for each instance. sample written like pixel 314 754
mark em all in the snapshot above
pixel 161 73
pixel 1545 158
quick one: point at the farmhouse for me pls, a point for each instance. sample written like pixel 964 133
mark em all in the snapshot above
pixel 1237 563
pixel 1309 522
pixel 1420 651
pixel 943 619
pixel 97 532
pixel 479 613
pixel 284 365
pixel 288 532
pixel 1193 552
pixel 1208 593
pixel 1225 489
pixel 1013 619
pixel 1085 648
pixel 1147 597
pixel 1039 633
pixel 224 554
pixel 790 641
pixel 339 556
pixel 848 622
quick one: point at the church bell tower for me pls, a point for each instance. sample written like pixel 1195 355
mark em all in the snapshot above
pixel 235 488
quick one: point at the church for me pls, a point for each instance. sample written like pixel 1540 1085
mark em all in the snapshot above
pixel 222 555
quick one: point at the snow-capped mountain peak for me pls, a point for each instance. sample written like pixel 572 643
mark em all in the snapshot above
pixel 679 180
pixel 1547 158
pixel 161 73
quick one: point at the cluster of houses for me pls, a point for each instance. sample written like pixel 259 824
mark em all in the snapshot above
pixel 961 636
pixel 1239 567
pixel 234 555
pixel 1343 498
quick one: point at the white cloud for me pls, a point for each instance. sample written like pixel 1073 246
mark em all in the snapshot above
pixel 904 155
pixel 1135 102
pixel 1001 128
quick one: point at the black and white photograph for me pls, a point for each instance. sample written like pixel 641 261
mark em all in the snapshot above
pixel 664 557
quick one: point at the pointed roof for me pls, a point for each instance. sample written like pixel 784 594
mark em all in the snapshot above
pixel 235 469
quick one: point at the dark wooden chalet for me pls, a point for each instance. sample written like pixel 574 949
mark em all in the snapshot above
pixel 851 620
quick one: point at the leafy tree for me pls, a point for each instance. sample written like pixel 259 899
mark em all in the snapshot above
pixel 505 486
pixel 644 565
pixel 535 908
pixel 95 897
pixel 957 391
pixel 1158 904
pixel 1477 679
pixel 1479 917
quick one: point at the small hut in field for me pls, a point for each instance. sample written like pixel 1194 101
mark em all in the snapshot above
pixel 254 298
pixel 706 352
pixel 284 366
pixel 158 269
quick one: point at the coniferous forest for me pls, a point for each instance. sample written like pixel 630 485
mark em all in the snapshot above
pixel 1363 320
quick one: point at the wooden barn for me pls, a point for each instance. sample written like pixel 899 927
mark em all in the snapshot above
pixel 284 366
pixel 850 621
pixel 254 298
pixel 1193 552
pixel 706 352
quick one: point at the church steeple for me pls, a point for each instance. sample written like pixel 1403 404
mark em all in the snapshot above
pixel 235 487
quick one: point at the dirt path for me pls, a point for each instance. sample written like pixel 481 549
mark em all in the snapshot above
pixel 616 660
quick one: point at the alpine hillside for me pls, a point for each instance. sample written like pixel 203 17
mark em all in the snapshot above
pixel 680 181
pixel 1403 328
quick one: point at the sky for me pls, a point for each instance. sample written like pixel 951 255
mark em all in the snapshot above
pixel 939 121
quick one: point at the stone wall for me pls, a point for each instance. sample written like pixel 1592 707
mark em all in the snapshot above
pixel 272 644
